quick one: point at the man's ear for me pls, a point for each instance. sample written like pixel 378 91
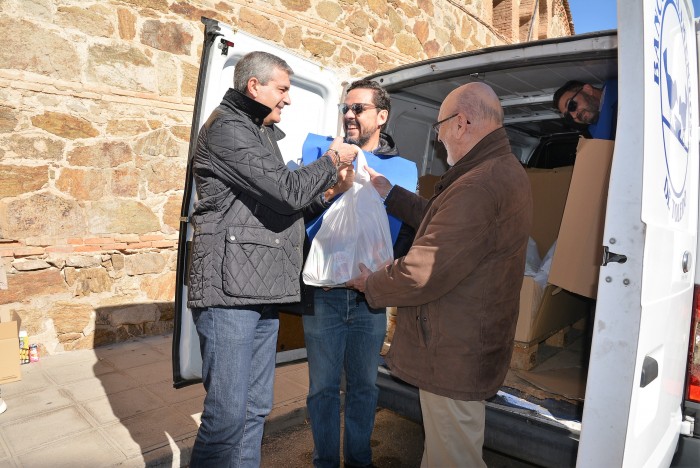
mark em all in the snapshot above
pixel 252 87
pixel 382 117
pixel 462 124
pixel 587 88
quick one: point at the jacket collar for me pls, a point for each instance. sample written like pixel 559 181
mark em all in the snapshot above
pixel 386 147
pixel 251 108
pixel 491 146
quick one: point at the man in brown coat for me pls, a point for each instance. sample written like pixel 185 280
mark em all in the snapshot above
pixel 458 287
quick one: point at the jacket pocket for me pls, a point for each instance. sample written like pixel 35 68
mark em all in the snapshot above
pixel 253 263
pixel 424 324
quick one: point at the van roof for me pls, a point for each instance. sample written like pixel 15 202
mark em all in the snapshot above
pixel 523 75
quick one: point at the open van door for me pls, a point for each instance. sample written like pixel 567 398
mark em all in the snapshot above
pixel 632 415
pixel 315 94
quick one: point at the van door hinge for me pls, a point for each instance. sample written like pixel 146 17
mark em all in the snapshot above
pixel 610 257
pixel 224 45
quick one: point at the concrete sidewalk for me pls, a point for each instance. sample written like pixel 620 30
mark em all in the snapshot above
pixel 116 405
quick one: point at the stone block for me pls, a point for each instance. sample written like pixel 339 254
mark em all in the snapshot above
pixel 107 154
pixel 8 119
pixel 167 36
pixel 88 280
pixel 30 265
pixel 84 184
pixel 65 125
pixel 121 216
pixel 144 263
pixel 33 146
pixel 122 66
pixel 19 180
pixel 26 285
pixel 92 20
pixel 17 53
pixel 83 261
pixel 160 288
pixel 133 314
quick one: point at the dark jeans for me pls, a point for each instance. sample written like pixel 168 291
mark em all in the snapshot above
pixel 238 369
pixel 342 335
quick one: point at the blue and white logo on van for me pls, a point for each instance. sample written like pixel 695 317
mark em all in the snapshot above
pixel 672 75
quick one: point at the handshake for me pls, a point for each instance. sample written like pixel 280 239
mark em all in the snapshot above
pixel 342 154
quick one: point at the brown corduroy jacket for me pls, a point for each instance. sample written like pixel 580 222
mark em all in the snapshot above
pixel 458 288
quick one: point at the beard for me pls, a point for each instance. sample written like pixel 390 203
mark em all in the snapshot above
pixel 363 135
pixel 591 109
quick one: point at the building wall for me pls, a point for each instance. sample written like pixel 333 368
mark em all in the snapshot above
pixel 96 101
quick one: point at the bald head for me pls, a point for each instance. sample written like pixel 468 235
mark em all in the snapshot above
pixel 480 103
pixel 480 113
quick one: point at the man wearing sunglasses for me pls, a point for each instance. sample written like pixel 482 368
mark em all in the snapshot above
pixel 458 287
pixel 583 104
pixel 344 334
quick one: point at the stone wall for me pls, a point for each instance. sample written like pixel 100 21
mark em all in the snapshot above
pixel 95 105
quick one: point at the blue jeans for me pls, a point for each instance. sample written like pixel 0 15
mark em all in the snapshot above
pixel 342 335
pixel 238 369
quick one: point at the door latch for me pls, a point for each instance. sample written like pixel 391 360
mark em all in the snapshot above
pixel 610 257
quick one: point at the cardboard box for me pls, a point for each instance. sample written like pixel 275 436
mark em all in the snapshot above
pixel 9 352
pixel 569 207
pixel 544 312
pixel 549 190
pixel 579 252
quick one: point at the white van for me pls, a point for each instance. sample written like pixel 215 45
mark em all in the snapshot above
pixel 642 385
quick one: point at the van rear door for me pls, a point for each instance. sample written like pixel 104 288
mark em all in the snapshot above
pixel 632 415
pixel 315 94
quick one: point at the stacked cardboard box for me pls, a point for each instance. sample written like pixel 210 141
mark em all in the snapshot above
pixel 569 207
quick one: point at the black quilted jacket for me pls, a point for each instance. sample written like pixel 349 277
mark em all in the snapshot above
pixel 248 220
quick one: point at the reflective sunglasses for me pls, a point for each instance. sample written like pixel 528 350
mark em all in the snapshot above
pixel 357 108
pixel 436 126
pixel 572 105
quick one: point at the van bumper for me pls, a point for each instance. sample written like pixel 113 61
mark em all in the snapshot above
pixel 687 453
pixel 518 433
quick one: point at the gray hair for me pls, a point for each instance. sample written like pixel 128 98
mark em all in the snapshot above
pixel 260 65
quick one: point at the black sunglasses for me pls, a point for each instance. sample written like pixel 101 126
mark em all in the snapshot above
pixel 357 108
pixel 572 105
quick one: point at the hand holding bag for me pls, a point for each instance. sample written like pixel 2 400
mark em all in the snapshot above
pixel 355 229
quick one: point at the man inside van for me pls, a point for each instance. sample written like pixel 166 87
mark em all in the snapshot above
pixel 246 253
pixel 584 104
pixel 458 287
pixel 344 334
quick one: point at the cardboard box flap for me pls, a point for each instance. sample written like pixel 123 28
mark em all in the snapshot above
pixel 549 190
pixel 544 312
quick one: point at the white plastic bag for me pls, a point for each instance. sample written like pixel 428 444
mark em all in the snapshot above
pixel 355 229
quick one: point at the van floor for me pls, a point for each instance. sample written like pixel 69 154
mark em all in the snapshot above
pixel 557 384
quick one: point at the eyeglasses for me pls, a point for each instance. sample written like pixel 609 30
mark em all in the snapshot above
pixel 357 108
pixel 436 126
pixel 572 105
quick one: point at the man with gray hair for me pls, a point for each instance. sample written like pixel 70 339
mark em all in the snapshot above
pixel 458 287
pixel 246 253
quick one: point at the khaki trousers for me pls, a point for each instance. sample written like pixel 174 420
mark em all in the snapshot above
pixel 454 432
